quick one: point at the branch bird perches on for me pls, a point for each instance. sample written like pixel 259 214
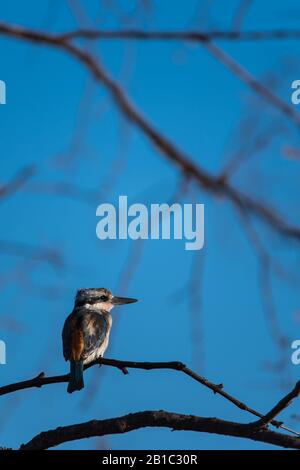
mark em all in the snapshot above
pixel 256 430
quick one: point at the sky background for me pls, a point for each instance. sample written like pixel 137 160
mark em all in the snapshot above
pixel 64 125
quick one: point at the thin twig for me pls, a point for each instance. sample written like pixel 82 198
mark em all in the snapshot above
pixel 278 408
pixel 18 181
pixel 245 76
pixel 240 14
pixel 265 284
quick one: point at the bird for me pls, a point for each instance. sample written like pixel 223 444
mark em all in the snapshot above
pixel 85 334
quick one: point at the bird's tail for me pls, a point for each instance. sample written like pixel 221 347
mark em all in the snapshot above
pixel 76 376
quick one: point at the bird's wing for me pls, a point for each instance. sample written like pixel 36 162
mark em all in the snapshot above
pixel 72 336
pixel 84 331
pixel 95 328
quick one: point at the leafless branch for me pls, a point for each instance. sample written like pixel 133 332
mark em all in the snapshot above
pixel 240 14
pixel 265 264
pixel 17 182
pixel 245 76
pixel 41 380
pixel 279 407
pixel 251 146
pixel 161 419
pixel 194 36
pixel 167 148
pixel 219 186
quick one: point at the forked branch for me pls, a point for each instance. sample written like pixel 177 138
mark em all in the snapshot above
pixel 41 380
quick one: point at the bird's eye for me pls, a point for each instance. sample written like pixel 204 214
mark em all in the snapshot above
pixel 103 297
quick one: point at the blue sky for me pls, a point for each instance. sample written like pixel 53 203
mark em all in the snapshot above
pixel 58 120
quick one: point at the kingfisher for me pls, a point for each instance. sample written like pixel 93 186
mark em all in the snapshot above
pixel 86 330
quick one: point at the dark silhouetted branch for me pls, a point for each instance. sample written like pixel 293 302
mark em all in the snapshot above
pixel 41 380
pixel 278 408
pixel 161 419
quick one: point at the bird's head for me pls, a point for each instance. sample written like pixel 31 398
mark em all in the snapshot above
pixel 100 299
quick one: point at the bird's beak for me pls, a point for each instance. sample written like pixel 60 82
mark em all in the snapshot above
pixel 122 300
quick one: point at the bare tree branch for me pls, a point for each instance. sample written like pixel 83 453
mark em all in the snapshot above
pixel 279 407
pixel 219 186
pixel 162 419
pixel 17 182
pixel 194 36
pixel 41 380
pixel 240 14
pixel 258 87
pixel 265 265
pixel 62 40
pixel 168 149
pixel 251 146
